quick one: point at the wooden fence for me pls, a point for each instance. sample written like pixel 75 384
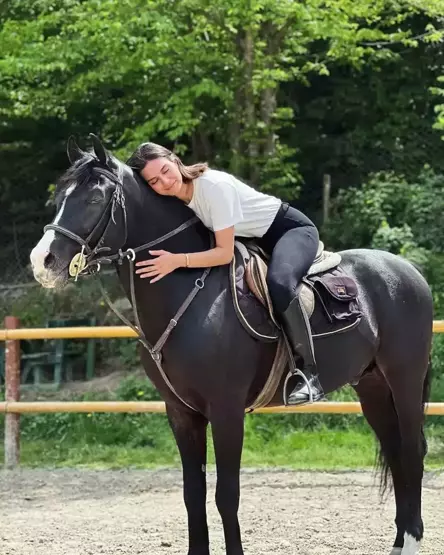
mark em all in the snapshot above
pixel 12 407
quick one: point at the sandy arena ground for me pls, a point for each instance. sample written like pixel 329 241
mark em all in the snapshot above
pixel 82 512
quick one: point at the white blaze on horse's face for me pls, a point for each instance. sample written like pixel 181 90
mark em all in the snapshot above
pixel 47 276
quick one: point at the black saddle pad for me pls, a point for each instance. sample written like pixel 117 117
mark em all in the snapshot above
pixel 337 304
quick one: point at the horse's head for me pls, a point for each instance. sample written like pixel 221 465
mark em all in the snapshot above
pixel 90 215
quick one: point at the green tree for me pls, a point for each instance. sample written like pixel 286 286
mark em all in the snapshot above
pixel 393 214
pixel 226 81
pixel 196 72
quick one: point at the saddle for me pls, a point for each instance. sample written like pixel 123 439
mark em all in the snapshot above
pixel 325 283
pixel 328 294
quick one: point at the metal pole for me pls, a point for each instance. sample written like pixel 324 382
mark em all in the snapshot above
pixel 12 394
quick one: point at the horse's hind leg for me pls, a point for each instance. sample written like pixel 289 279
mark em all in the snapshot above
pixel 406 372
pixel 408 400
pixel 379 410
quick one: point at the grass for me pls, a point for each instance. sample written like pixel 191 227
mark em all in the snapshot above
pixel 299 450
pixel 297 441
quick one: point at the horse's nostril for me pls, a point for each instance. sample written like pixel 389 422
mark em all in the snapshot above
pixel 49 260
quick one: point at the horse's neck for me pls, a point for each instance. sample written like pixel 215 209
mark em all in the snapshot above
pixel 148 219
pixel 150 216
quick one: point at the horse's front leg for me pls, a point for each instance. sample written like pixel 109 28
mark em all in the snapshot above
pixel 227 424
pixel 190 432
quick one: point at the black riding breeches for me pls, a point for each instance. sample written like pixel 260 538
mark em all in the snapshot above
pixel 292 240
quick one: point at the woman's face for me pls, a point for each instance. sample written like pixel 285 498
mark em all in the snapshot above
pixel 163 176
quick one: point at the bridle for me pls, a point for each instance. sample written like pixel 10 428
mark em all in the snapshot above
pixel 87 263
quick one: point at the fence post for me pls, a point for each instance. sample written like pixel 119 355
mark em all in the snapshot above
pixel 12 393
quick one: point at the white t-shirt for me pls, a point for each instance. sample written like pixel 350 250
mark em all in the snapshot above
pixel 221 200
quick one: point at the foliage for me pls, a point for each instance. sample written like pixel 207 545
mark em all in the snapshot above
pixel 222 65
pixel 278 92
pixel 36 306
pixel 135 389
pixel 390 213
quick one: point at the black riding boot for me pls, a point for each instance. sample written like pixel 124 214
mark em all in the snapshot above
pixel 297 328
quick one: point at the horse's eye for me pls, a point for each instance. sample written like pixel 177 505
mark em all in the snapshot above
pixel 96 199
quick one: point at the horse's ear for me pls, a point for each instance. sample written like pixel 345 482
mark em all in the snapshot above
pixel 99 150
pixel 73 151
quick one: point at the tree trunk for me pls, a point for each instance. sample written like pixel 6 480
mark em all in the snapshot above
pixel 273 38
pixel 250 115
pixel 205 144
pixel 234 136
pixel 268 106
pixel 200 145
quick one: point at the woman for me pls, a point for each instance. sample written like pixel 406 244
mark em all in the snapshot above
pixel 231 208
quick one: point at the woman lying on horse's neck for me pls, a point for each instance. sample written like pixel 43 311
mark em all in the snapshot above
pixel 165 178
pixel 231 208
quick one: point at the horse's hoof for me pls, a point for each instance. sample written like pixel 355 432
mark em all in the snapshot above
pixel 411 546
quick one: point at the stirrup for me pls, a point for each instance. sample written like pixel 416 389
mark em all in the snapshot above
pixel 297 372
pixel 294 372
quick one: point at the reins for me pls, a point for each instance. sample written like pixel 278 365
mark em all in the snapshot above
pixel 87 263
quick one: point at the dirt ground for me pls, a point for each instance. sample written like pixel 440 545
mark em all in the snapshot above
pixel 83 512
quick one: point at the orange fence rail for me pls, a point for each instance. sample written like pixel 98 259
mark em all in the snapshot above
pixel 323 407
pixel 12 407
pixel 81 332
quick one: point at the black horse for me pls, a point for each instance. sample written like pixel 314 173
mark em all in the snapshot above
pixel 215 368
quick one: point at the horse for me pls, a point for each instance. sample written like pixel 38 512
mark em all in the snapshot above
pixel 208 369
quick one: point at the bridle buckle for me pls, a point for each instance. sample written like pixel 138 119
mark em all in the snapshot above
pixel 78 264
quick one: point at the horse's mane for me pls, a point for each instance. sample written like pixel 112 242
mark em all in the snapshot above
pixel 80 173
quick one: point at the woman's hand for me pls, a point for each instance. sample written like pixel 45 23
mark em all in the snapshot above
pixel 157 268
pixel 166 262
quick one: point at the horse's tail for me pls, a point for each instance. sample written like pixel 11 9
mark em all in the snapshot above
pixel 427 383
pixel 426 397
pixel 382 456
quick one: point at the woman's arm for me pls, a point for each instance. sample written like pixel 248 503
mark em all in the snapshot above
pixel 221 254
pixel 166 262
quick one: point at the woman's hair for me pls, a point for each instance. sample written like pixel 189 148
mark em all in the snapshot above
pixel 151 151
